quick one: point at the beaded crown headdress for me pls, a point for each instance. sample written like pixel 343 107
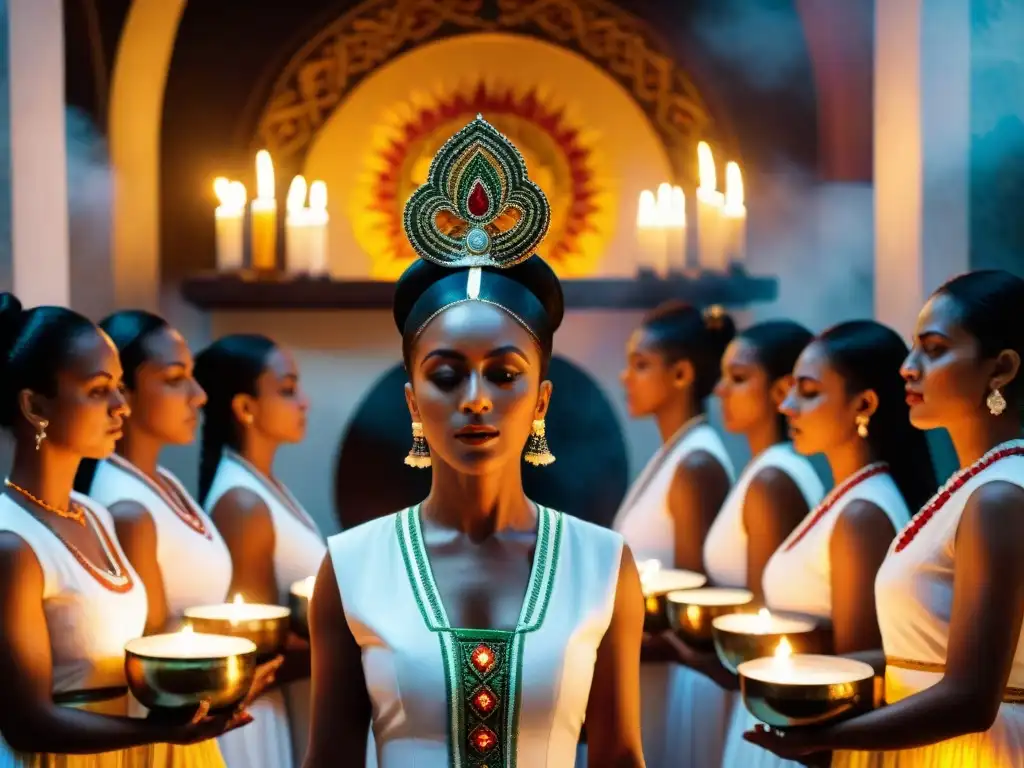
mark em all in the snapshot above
pixel 478 207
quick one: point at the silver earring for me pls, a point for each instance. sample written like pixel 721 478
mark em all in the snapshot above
pixel 41 433
pixel 996 402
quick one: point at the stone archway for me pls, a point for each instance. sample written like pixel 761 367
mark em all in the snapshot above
pixel 320 75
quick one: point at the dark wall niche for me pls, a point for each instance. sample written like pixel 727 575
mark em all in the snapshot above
pixel 588 478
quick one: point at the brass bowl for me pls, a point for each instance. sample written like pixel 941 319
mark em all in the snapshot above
pixel 656 586
pixel 265 625
pixel 221 670
pixel 298 602
pixel 691 611
pixel 829 695
pixel 736 643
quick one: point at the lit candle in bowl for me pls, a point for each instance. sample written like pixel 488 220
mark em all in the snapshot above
pixel 264 215
pixel 230 223
pixel 656 582
pixel 740 637
pixel 298 599
pixel 691 611
pixel 264 625
pixel 172 673
pixel 785 690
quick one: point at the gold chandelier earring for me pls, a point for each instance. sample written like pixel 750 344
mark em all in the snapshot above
pixel 862 425
pixel 419 454
pixel 537 452
pixel 41 433
pixel 996 402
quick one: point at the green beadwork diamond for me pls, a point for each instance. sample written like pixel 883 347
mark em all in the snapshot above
pixel 476 179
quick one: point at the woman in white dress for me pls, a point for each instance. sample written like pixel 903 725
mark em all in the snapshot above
pixel 774 492
pixel 672 364
pixel 255 404
pixel 847 402
pixel 170 542
pixel 477 628
pixel 69 599
pixel 950 593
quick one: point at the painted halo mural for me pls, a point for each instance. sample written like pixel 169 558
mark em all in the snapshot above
pixel 559 153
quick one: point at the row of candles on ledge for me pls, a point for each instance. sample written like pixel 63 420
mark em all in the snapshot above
pixel 787 679
pixel 305 227
pixel 721 235
pixel 662 246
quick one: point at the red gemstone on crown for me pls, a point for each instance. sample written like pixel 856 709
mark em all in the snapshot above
pixel 483 739
pixel 479 203
pixel 484 701
pixel 482 659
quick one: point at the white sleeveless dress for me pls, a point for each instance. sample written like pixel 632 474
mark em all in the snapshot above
pixel 798 578
pixel 89 623
pixel 299 549
pixel 445 697
pixel 914 595
pixel 194 562
pixel 697 704
pixel 673 733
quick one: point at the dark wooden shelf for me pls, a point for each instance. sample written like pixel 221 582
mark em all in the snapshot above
pixel 227 292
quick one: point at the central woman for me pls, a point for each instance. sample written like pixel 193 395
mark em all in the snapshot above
pixel 477 628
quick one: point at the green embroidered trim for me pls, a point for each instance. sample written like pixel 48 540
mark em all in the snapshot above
pixel 478 736
pixel 486 697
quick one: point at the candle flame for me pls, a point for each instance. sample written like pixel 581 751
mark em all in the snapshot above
pixel 237 194
pixel 187 630
pixel 318 196
pixel 239 600
pixel 264 175
pixel 734 195
pixel 706 167
pixel 296 195
pixel 647 211
pixel 222 189
pixel 784 650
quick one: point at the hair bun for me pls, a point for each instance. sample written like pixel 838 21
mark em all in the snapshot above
pixel 11 316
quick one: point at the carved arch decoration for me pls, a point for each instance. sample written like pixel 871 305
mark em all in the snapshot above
pixel 320 75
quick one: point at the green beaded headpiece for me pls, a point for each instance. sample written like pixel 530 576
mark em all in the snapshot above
pixel 477 208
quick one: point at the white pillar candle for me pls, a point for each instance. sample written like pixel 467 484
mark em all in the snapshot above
pixel 675 228
pixel 734 216
pixel 296 228
pixel 318 220
pixel 650 236
pixel 264 215
pixel 710 244
pixel 229 219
